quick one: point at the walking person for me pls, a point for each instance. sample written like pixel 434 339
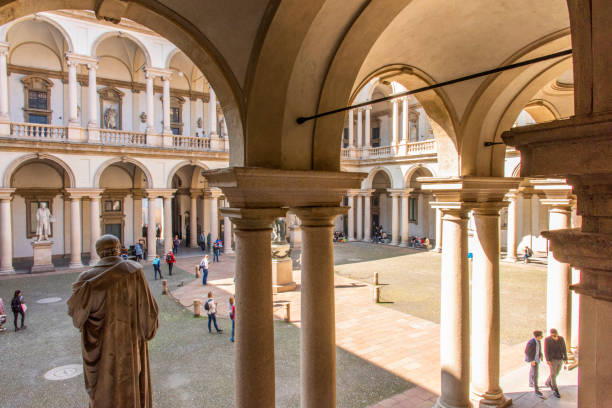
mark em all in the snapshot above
pixel 176 244
pixel 157 267
pixel 555 352
pixel 18 308
pixel 204 269
pixel 232 315
pixel 170 260
pixel 533 356
pixel 211 309
pixel 216 252
pixel 202 241
pixel 138 251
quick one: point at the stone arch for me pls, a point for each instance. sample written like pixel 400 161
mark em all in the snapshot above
pixel 110 162
pixel 542 110
pixel 367 183
pixel 182 164
pixel 17 163
pixel 121 34
pixel 172 54
pixel 415 169
pixel 38 17
pixel 499 100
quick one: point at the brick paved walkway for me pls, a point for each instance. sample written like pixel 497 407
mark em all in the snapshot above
pixel 403 344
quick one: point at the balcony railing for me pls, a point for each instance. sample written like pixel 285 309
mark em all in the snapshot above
pixel 38 131
pixel 404 149
pixel 190 142
pixel 122 137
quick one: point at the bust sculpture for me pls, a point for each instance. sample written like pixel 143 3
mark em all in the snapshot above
pixel 43 222
pixel 112 306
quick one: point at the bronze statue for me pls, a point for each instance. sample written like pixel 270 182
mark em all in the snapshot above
pixel 112 306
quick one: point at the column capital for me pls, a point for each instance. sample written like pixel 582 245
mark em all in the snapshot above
pixel 253 187
pixel 157 72
pixel 197 192
pixel 556 192
pixel 6 193
pixel 319 216
pixel 489 208
pixel 396 192
pixel 512 195
pixel 250 219
pixel 467 191
pixel 353 192
pixel 78 193
pixel 76 59
pixel 160 192
pixel 367 192
pixel 213 192
pixel 138 193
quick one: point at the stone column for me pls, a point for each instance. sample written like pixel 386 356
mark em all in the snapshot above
pixel 511 236
pixel 395 218
pixel 151 238
pixel 214 213
pixel 193 221
pixel 558 298
pixel 75 232
pixel 205 215
pixel 318 340
pixel 351 217
pixel 350 128
pixel 94 214
pixel 368 127
pixel 227 236
pixel 359 217
pixel 137 211
pixel 150 102
pixel 92 96
pixel 486 308
pixel 359 128
pixel 4 101
pixel 395 123
pixel 367 216
pixel 425 198
pixel 438 247
pixel 405 222
pixel 72 93
pixel 212 113
pixel 254 356
pixel 405 122
pixel 167 223
pixel 6 232
pixel 166 103
pixel 455 312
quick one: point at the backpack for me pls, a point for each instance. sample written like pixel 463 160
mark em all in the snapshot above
pixel 168 258
pixel 207 305
pixel 16 305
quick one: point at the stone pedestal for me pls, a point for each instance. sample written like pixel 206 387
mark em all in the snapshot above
pixel 42 257
pixel 282 269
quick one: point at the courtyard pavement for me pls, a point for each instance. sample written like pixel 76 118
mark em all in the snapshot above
pixel 383 349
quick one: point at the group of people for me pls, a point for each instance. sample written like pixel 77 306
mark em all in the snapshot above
pixel 380 236
pixel 339 236
pixel 555 352
pixel 416 242
pixel 211 310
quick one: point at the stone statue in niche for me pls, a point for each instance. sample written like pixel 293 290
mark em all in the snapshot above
pixel 43 222
pixel 199 123
pixel 110 118
pixel 280 247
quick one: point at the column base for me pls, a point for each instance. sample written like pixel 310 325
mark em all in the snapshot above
pixel 7 271
pixel 404 245
pixel 394 243
pixel 150 258
pixel 75 132
pixel 491 400
pixel 93 133
pixel 228 251
pixel 75 265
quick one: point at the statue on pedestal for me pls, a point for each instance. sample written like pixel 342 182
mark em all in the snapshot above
pixel 112 306
pixel 43 222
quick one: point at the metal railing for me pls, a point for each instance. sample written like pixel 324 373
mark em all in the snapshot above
pixel 38 131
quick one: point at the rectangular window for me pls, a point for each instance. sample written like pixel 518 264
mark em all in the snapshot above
pixel 345 141
pixel 38 100
pixel 175 115
pixel 375 137
pixel 42 119
pixel 175 130
pixel 112 205
pixel 413 209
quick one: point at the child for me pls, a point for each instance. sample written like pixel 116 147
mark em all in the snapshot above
pixel 211 309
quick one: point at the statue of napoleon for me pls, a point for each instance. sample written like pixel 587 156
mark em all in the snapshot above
pixel 112 306
pixel 44 218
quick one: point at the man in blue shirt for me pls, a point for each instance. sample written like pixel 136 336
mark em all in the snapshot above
pixel 533 356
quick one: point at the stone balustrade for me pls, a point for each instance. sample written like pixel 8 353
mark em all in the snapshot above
pixel 191 142
pixel 122 137
pixel 38 131
pixel 415 148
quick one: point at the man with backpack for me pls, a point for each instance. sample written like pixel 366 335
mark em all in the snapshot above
pixel 211 309
pixel 170 260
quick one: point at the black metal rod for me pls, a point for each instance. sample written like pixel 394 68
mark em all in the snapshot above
pixel 303 119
